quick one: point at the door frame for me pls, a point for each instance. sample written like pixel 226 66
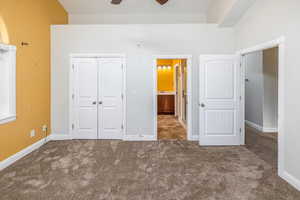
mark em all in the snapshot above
pixel 280 43
pixel 71 87
pixel 189 92
pixel 176 87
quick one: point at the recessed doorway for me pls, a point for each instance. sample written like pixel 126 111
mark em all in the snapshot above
pixel 172 97
pixel 263 66
pixel 261 104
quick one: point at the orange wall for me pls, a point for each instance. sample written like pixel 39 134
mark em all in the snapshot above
pixel 29 21
pixel 165 78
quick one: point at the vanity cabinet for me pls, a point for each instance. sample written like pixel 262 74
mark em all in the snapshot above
pixel 166 104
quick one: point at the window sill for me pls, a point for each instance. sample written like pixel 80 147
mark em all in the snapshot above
pixel 7 118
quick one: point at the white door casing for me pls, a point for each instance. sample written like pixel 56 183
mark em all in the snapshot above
pixel 111 95
pixel 85 98
pixel 219 100
pixel 184 92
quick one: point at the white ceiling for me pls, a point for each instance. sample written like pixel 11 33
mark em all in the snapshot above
pixel 136 7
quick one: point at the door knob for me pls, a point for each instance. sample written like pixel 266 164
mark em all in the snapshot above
pixel 202 105
pixel 94 102
pixel 100 102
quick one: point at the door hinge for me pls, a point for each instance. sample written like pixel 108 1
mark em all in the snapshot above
pixel 122 96
pixel 122 126
pixel 73 126
pixel 73 67
pixel 73 96
pixel 240 130
pixel 240 98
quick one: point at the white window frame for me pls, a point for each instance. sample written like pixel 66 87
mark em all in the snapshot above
pixel 10 52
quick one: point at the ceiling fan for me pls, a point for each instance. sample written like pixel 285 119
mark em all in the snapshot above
pixel 116 2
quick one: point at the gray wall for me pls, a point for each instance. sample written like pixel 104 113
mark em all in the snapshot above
pixel 261 93
pixel 264 21
pixel 139 43
pixel 218 9
pixel 270 76
pixel 254 88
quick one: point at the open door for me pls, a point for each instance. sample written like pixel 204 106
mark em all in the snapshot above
pixel 219 100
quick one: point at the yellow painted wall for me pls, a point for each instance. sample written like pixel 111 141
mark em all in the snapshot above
pixel 29 21
pixel 165 78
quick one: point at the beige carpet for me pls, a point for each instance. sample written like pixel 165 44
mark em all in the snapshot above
pixel 165 170
pixel 169 128
pixel 264 145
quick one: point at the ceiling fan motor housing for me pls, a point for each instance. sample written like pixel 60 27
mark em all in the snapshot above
pixel 162 2
pixel 116 2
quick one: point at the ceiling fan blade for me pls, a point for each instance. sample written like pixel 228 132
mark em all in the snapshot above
pixel 116 2
pixel 162 2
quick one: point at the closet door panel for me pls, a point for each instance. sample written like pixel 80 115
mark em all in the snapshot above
pixel 85 102
pixel 110 96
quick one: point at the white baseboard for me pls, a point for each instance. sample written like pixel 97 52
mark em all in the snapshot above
pixel 261 128
pixel 270 130
pixel 291 180
pixel 139 138
pixel 54 137
pixel 12 159
pixel 255 126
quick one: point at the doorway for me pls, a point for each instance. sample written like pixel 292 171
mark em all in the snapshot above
pixel 172 113
pixel 261 104
pixel 273 52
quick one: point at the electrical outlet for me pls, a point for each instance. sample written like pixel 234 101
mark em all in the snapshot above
pixel 32 133
pixel 44 128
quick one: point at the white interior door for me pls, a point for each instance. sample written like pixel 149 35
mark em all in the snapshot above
pixel 110 118
pixel 85 98
pixel 219 100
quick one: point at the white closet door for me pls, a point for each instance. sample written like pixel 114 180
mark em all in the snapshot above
pixel 110 82
pixel 85 99
pixel 219 100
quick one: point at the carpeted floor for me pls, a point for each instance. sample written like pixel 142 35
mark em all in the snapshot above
pixel 169 128
pixel 264 145
pixel 164 170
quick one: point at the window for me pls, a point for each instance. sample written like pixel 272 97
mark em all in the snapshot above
pixel 7 83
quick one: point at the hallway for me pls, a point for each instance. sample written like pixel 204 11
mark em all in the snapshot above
pixel 169 128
